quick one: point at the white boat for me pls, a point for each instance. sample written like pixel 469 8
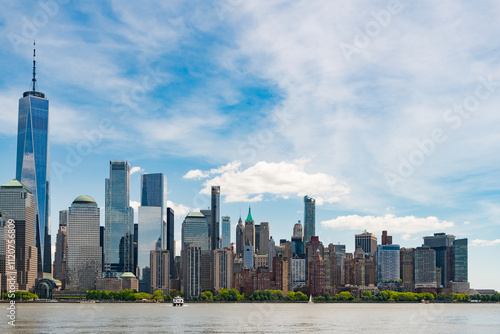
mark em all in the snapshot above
pixel 311 299
pixel 178 301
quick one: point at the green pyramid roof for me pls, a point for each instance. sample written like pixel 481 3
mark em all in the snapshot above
pixel 14 184
pixel 127 275
pixel 249 217
pixel 84 199
pixel 196 214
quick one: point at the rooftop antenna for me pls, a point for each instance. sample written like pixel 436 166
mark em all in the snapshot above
pixel 34 66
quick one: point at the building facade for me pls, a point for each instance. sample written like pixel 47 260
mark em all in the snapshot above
pixel 191 271
pixel 440 242
pixel 119 221
pixel 240 238
pixel 367 241
pixel 159 272
pixel 425 268
pixel 226 231
pixel 61 249
pixel 215 226
pixel 84 264
pixel 250 230
pixel 264 239
pixel 388 263
pixel 222 269
pixel 195 231
pixel 309 219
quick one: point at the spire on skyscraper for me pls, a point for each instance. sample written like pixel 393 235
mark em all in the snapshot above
pixel 34 67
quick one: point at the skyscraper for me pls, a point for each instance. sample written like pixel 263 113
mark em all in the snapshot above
pixel 61 249
pixel 458 255
pixel 215 229
pixel 309 219
pixel 170 238
pixel 248 255
pixel 367 241
pixel 297 231
pixel 240 238
pixel 440 242
pixel 272 253
pixel 388 260
pixel 226 232
pixel 424 267
pixel 264 239
pixel 32 164
pixel 191 271
pixel 17 203
pixel 406 268
pixel 152 216
pixel 119 221
pixel 84 253
pixel 159 273
pixel 250 230
pixel 222 269
pixel 194 231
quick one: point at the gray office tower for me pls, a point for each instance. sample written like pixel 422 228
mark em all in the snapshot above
pixel 154 218
pixel 226 231
pixel 214 235
pixel 170 238
pixel 440 242
pixel 309 219
pixel 33 167
pixel 119 221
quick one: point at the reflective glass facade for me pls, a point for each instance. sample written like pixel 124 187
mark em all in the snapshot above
pixel 32 166
pixel 460 261
pixel 150 223
pixel 309 219
pixel 226 231
pixel 195 231
pixel 215 226
pixel 388 263
pixel 119 221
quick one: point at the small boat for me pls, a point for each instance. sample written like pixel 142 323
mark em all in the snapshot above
pixel 178 301
pixel 311 299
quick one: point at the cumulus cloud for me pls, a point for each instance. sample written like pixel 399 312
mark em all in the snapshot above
pixel 407 225
pixel 135 205
pixel 136 169
pixel 283 179
pixel 180 210
pixel 196 174
pixel 479 242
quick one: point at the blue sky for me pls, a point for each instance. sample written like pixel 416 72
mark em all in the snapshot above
pixel 386 112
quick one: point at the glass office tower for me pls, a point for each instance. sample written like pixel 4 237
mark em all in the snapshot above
pixel 32 165
pixel 215 228
pixel 309 219
pixel 226 231
pixel 119 221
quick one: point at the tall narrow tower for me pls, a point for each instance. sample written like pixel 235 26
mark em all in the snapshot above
pixel 309 219
pixel 214 234
pixel 32 164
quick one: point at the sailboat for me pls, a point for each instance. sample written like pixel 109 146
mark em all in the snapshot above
pixel 311 299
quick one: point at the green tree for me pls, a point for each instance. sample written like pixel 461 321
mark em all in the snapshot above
pixel 207 295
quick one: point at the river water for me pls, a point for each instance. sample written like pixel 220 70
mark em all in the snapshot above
pixel 253 318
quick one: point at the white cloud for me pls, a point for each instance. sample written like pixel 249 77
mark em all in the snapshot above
pixel 407 225
pixel 180 210
pixel 196 174
pixel 466 222
pixel 136 169
pixel 278 178
pixel 479 242
pixel 135 205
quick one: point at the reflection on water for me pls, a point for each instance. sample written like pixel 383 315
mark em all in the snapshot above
pixel 254 318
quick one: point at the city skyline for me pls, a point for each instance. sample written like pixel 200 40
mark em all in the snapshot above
pixel 373 135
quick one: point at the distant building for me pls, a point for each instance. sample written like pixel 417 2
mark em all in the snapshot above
pixel 355 272
pixel 279 275
pixel 309 219
pixel 215 232
pixel 425 267
pixel 195 231
pixel 272 253
pixel 226 232
pixel 248 255
pixel 261 261
pixel 84 264
pixel 458 259
pixel 250 230
pixel 316 275
pixel 298 277
pixel 191 271
pixel 206 277
pixel 314 248
pixel 264 239
pixel 386 239
pixel 240 238
pixel 119 221
pixel 297 245
pixel 159 272
pixel 367 241
pixel 388 263
pixel 440 242
pixel 406 268
pixel 61 249
pixel 222 269
pixel 297 231
pixel 18 203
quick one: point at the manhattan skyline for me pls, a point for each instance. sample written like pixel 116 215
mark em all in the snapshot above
pixel 391 129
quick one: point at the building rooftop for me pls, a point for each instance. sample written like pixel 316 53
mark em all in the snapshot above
pixel 14 184
pixel 84 199
pixel 127 275
pixel 195 214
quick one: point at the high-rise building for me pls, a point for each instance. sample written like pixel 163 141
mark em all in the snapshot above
pixel 355 272
pixel 297 231
pixel 248 255
pixel 33 166
pixel 119 221
pixel 215 232
pixel 61 249
pixel 272 253
pixel 388 263
pixel 298 277
pixel 84 265
pixel 17 204
pixel 367 241
pixel 152 217
pixel 206 270
pixel 256 247
pixel 222 269
pixel 226 231
pixel 458 260
pixel 264 239
pixel 386 239
pixel 191 271
pixel 406 268
pixel 279 275
pixel 159 274
pixel 240 238
pixel 338 262
pixel 424 267
pixel 195 231
pixel 440 242
pixel 170 237
pixel 314 247
pixel 297 245
pixel 309 219
pixel 249 230
pixel 316 275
